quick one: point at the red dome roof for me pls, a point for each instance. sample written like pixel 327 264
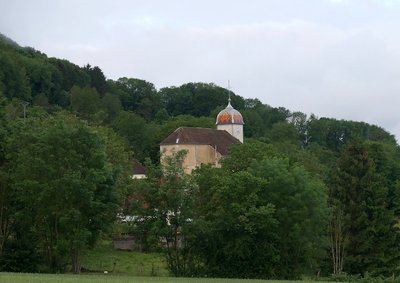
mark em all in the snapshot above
pixel 229 116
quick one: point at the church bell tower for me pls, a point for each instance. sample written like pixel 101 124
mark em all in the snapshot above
pixel 230 120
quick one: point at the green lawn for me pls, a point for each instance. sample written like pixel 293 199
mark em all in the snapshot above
pixel 107 278
pixel 105 258
pixel 122 266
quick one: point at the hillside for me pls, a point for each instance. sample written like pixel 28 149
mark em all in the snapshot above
pixel 286 203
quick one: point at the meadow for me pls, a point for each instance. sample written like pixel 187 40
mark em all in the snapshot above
pixel 121 267
pixel 105 258
pixel 107 278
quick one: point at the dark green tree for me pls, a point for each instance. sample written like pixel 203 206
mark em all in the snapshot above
pixel 197 99
pixel 243 155
pixel 300 202
pixel 14 82
pixel 135 129
pixel 5 193
pixel 71 74
pixel 110 106
pixel 163 205
pixel 368 237
pixel 139 96
pixel 235 226
pixel 84 101
pixel 64 187
pixel 97 79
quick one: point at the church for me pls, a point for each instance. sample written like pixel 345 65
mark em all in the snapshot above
pixel 204 145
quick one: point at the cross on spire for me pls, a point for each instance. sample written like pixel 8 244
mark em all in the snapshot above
pixel 229 92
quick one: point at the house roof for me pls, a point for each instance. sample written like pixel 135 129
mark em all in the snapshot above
pixel 219 139
pixel 138 168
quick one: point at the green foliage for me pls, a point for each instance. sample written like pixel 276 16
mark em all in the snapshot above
pixel 139 96
pixel 283 132
pixel 334 134
pixel 300 203
pixel 20 256
pixel 236 236
pixel 68 196
pixel 161 116
pixel 13 79
pixel 135 130
pixel 243 155
pixel 84 101
pixel 97 78
pixel 259 198
pixel 162 206
pixel 359 193
pixel 197 99
pixel 71 74
pixel 6 209
pixel 111 106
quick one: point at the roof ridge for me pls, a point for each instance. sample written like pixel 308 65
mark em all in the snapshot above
pixel 204 136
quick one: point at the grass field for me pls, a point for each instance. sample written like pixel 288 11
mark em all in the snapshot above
pixel 104 257
pixel 122 267
pixel 107 278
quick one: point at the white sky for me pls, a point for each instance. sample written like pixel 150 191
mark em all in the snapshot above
pixel 333 58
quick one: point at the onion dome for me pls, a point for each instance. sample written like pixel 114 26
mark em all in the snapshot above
pixel 229 115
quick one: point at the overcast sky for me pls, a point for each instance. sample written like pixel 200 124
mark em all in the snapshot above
pixel 333 58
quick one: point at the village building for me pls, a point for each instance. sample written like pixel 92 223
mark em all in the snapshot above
pixel 204 145
pixel 138 170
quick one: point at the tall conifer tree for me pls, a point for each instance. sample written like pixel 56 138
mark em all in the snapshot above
pixel 360 199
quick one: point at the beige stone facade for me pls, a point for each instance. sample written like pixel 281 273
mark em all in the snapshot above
pixel 203 146
pixel 196 155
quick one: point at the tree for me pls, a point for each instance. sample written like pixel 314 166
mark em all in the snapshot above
pixel 300 122
pixel 260 216
pixel 243 155
pixel 254 124
pixel 134 128
pixel 14 82
pixel 283 132
pixel 111 107
pixel 68 196
pixel 84 101
pixel 300 202
pixel 161 116
pixel 97 78
pixel 334 134
pixel 139 96
pixel 44 78
pixel 197 99
pixel 235 226
pixel 164 203
pixel 363 232
pixel 71 74
pixel 5 194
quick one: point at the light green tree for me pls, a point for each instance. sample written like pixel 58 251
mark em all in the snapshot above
pixel 64 187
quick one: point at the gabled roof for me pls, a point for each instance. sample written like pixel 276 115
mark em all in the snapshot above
pixel 220 140
pixel 138 168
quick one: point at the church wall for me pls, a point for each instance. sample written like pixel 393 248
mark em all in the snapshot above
pixel 197 154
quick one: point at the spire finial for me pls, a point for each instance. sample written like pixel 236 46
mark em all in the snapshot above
pixel 229 93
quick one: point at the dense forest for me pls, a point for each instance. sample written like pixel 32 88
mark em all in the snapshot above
pixel 301 196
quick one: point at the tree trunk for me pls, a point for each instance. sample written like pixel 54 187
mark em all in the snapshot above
pixel 337 240
pixel 4 217
pixel 76 261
